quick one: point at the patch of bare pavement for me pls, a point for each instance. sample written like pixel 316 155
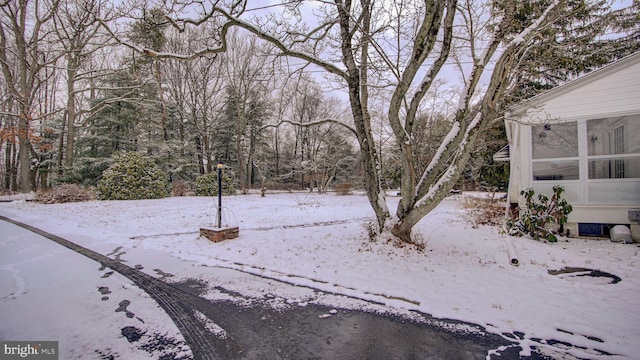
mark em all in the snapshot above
pixel 237 329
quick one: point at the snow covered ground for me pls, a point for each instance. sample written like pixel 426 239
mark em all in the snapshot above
pixel 321 241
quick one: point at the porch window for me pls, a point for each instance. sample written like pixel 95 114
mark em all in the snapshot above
pixel 555 152
pixel 614 147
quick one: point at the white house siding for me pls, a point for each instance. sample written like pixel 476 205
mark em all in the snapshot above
pixel 611 93
pixel 590 97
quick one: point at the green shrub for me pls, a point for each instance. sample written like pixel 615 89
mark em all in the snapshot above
pixel 207 184
pixel 535 220
pixel 133 177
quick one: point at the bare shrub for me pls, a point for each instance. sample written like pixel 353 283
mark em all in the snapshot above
pixel 489 210
pixel 181 188
pixel 372 230
pixel 65 193
pixel 344 189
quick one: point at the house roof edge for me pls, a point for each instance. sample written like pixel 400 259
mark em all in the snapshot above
pixel 610 68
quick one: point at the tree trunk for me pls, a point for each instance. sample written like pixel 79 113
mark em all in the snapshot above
pixel 163 103
pixel 199 155
pixel 441 185
pixel 251 155
pixel 240 156
pixel 59 156
pixel 24 157
pixel 277 153
pixel 10 166
pixel 370 160
pixel 71 110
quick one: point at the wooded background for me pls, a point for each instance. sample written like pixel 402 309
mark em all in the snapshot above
pixel 83 80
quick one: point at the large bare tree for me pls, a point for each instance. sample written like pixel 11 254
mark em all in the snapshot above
pixel 247 77
pixel 78 32
pixel 195 89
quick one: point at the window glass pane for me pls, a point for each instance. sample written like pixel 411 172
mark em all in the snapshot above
pixel 614 192
pixel 618 135
pixel 556 170
pixel 554 140
pixel 614 168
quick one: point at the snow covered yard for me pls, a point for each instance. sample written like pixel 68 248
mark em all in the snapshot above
pixel 321 241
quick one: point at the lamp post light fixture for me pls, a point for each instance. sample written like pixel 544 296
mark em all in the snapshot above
pixel 219 166
pixel 216 232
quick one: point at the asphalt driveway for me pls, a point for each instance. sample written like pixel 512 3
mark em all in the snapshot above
pixel 99 306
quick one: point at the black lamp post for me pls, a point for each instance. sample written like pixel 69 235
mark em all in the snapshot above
pixel 220 165
pixel 218 233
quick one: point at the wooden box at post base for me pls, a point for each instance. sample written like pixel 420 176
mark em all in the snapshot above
pixel 218 234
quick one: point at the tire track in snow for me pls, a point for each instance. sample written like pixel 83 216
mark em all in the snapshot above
pixel 264 228
pixel 178 304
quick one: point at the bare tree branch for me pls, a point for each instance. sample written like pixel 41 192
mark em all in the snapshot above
pixel 310 124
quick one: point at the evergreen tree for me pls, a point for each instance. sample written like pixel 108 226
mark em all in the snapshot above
pixel 125 124
pixel 589 36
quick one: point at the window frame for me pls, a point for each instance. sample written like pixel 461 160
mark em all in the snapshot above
pixel 559 159
pixel 586 190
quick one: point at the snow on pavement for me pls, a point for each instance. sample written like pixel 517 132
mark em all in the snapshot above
pixel 48 292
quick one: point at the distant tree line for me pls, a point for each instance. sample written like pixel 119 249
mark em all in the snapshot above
pixel 72 97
